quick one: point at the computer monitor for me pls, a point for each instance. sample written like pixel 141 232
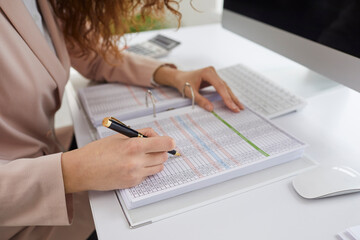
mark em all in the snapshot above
pixel 322 35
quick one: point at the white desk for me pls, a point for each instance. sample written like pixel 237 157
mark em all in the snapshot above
pixel 329 124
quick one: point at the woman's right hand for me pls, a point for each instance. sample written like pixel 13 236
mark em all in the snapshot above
pixel 115 162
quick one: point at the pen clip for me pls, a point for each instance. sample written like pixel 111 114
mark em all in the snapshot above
pixel 118 121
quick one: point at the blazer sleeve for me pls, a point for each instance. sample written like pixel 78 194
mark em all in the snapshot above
pixel 32 192
pixel 131 68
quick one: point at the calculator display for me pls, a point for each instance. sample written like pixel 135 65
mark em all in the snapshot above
pixel 164 42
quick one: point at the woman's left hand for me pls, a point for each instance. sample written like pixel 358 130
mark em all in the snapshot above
pixel 198 79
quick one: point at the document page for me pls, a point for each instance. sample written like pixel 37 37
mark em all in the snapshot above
pixel 125 102
pixel 214 147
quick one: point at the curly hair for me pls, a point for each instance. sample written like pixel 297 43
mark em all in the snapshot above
pixel 96 26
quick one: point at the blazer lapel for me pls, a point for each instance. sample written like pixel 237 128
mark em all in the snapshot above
pixel 22 21
pixel 55 33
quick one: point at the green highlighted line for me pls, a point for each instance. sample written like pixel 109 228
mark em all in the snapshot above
pixel 242 136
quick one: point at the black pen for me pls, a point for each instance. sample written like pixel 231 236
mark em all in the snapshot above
pixel 120 127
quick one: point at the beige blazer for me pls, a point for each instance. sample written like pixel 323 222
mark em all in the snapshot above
pixel 32 81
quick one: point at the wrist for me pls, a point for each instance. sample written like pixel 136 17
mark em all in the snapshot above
pixel 165 75
pixel 70 171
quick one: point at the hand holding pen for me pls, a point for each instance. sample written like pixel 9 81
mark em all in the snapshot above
pixel 120 127
pixel 115 162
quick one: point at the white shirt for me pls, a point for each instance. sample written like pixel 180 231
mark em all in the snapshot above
pixel 32 7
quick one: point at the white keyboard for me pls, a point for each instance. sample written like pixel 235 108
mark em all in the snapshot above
pixel 259 93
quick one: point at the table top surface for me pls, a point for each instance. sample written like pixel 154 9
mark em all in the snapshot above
pixel 329 124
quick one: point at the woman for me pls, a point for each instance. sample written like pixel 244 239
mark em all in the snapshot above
pixel 42 190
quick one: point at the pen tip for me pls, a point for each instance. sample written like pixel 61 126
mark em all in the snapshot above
pixel 177 154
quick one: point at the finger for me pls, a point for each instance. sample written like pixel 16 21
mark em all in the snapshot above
pixel 155 144
pixel 203 102
pixel 153 170
pixel 200 100
pixel 234 98
pixel 149 132
pixel 117 136
pixel 154 159
pixel 213 78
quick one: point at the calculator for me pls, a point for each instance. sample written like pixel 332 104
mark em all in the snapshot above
pixel 156 47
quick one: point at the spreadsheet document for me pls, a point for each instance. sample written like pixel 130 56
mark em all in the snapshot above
pixel 214 147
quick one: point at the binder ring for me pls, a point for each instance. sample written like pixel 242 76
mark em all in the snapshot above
pixel 149 93
pixel 187 84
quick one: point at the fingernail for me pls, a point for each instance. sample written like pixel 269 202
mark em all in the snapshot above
pixel 233 106
pixel 208 107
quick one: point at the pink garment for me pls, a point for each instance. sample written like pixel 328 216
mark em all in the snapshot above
pixel 32 81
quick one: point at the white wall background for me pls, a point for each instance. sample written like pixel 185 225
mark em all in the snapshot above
pixel 209 11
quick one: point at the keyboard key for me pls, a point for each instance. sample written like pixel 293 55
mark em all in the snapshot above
pixel 259 93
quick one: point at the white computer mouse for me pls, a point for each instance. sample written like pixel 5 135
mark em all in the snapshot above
pixel 327 181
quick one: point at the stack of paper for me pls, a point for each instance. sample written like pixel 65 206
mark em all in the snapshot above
pixel 352 233
pixel 214 147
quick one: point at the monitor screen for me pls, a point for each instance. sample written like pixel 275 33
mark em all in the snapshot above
pixel 322 35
